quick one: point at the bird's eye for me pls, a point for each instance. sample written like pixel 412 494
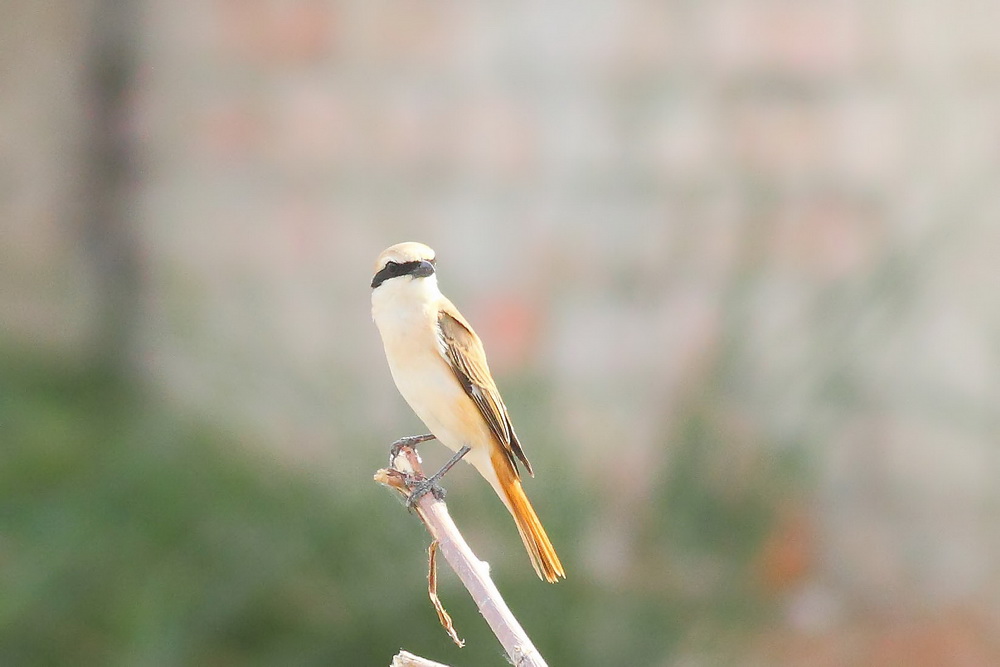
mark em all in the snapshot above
pixel 392 267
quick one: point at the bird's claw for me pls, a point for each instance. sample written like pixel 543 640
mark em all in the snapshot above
pixel 408 441
pixel 422 488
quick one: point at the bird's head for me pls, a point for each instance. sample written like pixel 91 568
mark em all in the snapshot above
pixel 403 262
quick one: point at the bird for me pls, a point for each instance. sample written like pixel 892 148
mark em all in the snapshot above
pixel 438 364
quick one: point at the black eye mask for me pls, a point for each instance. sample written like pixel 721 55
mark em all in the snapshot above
pixel 393 269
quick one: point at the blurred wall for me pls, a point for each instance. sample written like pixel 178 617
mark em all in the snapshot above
pixel 47 278
pixel 786 208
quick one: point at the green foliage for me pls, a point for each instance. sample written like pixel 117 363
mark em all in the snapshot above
pixel 128 537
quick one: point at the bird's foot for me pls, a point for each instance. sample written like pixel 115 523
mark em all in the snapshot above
pixel 422 488
pixel 408 441
pixel 430 484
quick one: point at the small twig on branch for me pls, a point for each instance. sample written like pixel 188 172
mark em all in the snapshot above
pixel 432 591
pixel 474 573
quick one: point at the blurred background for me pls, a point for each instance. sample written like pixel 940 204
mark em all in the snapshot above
pixel 734 263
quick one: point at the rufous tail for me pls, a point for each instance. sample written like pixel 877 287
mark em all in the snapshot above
pixel 540 549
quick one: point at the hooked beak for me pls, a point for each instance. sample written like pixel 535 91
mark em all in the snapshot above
pixel 424 269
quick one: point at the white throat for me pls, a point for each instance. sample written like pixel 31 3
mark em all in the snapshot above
pixel 400 300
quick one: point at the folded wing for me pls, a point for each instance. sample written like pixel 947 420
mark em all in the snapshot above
pixel 464 352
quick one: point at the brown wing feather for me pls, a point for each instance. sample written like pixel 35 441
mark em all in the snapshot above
pixel 464 352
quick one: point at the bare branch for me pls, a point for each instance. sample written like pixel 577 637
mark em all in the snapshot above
pixel 407 659
pixel 473 572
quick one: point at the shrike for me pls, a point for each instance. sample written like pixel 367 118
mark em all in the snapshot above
pixel 439 366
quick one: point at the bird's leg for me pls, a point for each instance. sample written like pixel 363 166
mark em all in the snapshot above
pixel 408 441
pixel 430 485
